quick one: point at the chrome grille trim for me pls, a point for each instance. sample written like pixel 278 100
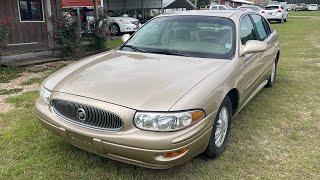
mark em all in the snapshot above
pixel 97 119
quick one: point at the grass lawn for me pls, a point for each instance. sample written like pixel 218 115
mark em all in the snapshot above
pixel 277 135
pixel 304 13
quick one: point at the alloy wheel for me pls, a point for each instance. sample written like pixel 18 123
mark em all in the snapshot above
pixel 114 29
pixel 221 127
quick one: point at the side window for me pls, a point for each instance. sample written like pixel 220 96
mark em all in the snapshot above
pixel 222 8
pixel 262 31
pixel 214 8
pixel 246 30
pixel 30 10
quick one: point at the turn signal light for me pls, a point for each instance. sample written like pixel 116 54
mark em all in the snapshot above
pixel 197 115
pixel 175 153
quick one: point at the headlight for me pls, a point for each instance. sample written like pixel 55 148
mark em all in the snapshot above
pixel 124 21
pixel 45 94
pixel 167 121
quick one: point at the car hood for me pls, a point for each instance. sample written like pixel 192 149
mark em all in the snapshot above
pixel 136 80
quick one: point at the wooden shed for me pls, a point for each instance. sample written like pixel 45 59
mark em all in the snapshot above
pixel 28 19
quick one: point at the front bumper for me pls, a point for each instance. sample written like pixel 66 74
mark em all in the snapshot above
pixel 130 145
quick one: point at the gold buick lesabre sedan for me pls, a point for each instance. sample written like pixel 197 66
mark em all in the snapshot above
pixel 168 93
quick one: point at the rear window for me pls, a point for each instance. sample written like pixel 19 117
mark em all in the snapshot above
pixel 271 7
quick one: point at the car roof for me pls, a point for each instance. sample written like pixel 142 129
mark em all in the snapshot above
pixel 273 5
pixel 248 6
pixel 217 13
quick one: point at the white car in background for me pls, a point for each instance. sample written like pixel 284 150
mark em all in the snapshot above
pixel 252 8
pixel 275 13
pixel 313 7
pixel 220 7
pixel 119 23
pixel 122 23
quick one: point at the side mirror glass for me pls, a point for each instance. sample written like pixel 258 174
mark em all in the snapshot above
pixel 254 46
pixel 125 37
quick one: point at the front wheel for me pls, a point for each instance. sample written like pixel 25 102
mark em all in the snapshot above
pixel 220 132
pixel 115 29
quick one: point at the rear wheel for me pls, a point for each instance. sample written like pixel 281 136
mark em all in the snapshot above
pixel 220 131
pixel 281 20
pixel 273 75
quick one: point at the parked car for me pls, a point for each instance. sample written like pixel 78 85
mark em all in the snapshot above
pixel 252 8
pixel 220 7
pixel 275 13
pixel 168 93
pixel 301 7
pixel 119 23
pixel 313 7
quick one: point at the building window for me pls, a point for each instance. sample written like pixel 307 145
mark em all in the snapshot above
pixel 30 10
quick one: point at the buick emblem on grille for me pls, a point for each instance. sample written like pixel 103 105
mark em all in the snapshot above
pixel 81 114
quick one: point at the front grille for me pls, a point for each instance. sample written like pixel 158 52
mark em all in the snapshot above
pixel 87 116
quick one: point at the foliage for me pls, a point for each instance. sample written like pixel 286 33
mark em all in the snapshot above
pixel 200 3
pixel 10 91
pixel 98 35
pixel 9 73
pixel 114 43
pixel 5 29
pixel 66 34
pixel 301 1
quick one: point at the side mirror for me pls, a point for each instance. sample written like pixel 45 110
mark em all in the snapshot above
pixel 125 37
pixel 254 46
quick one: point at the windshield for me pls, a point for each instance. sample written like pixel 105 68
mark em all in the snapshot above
pixel 271 7
pixel 193 36
pixel 229 7
pixel 111 13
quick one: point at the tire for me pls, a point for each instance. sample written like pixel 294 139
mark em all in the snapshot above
pixel 217 145
pixel 285 20
pixel 273 75
pixel 115 29
pixel 280 21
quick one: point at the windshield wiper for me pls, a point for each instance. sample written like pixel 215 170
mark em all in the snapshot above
pixel 134 48
pixel 167 52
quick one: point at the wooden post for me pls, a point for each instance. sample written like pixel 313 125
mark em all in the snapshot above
pixel 49 24
pixel 95 9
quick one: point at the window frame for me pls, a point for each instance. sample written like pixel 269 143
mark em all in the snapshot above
pixel 30 21
pixel 256 28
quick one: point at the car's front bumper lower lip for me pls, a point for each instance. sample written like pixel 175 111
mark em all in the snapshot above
pixel 128 153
